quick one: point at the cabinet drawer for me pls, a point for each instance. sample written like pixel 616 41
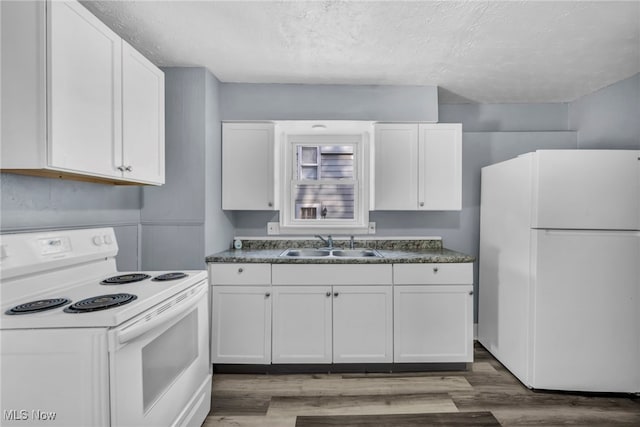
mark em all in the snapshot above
pixel 433 274
pixel 331 274
pixel 240 274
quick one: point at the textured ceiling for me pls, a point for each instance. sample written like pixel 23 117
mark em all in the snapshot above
pixel 475 51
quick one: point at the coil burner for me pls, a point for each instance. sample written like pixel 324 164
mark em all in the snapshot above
pixel 101 302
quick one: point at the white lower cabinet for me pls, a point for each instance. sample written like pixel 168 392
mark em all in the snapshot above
pixel 362 324
pixel 413 313
pixel 302 324
pixel 241 324
pixel 433 323
pixel 339 324
pixel 433 313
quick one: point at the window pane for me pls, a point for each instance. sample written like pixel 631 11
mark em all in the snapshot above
pixel 308 172
pixel 334 201
pixel 309 155
pixel 336 162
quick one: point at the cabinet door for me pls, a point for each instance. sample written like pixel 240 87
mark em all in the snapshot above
pixel 84 98
pixel 142 118
pixel 396 167
pixel 362 324
pixel 440 166
pixel 247 166
pixel 433 324
pixel 302 324
pixel 241 324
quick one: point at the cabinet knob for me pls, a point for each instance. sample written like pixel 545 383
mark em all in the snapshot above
pixel 435 269
pixel 267 295
pixel 128 168
pixel 421 204
pixel 240 270
pixel 270 204
pixel 328 294
pixel 121 168
pixel 335 294
pixel 470 292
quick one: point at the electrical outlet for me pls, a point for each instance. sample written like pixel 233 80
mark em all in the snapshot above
pixel 273 228
pixel 372 228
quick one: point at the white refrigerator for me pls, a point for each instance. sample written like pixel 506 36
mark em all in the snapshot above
pixel 559 286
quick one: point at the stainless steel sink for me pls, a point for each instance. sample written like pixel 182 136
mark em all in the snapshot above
pixel 356 253
pixel 306 253
pixel 325 253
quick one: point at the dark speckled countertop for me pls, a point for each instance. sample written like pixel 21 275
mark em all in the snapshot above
pixel 393 252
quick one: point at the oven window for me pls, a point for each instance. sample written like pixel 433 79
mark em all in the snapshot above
pixel 167 356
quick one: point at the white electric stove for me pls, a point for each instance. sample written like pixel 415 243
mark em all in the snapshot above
pixel 83 344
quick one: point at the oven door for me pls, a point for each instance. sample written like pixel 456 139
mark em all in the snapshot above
pixel 159 362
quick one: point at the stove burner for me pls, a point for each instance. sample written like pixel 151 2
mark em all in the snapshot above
pixel 37 306
pixel 124 279
pixel 101 302
pixel 169 276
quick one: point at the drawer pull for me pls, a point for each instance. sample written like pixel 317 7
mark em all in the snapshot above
pixel 435 269
pixel 335 294
pixel 240 270
pixel 267 295
pixel 328 294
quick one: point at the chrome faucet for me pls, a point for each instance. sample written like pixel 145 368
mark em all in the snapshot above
pixel 328 241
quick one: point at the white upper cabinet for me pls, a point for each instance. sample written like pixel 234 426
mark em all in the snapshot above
pixel 418 166
pixel 85 88
pixel 142 118
pixel 248 166
pixel 81 102
pixel 396 167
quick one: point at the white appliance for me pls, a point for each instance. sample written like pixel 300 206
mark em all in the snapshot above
pixel 107 348
pixel 559 292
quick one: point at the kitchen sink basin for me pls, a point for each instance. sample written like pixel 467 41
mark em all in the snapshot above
pixel 306 253
pixel 356 253
pixel 325 253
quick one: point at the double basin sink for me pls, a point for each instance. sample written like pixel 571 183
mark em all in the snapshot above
pixel 326 252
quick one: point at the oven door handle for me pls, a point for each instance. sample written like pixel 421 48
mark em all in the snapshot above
pixel 160 316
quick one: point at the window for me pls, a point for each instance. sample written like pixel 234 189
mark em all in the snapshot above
pixel 325 179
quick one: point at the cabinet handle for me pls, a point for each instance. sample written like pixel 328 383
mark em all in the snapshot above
pixel 240 270
pixel 328 294
pixel 128 168
pixel 121 168
pixel 421 203
pixel 267 295
pixel 435 269
pixel 335 294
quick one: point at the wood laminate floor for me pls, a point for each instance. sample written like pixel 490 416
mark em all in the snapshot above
pixel 486 395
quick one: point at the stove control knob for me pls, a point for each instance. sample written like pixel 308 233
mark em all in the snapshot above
pixel 97 240
pixel 107 239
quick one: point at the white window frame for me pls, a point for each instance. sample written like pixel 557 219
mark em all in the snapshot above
pixel 293 133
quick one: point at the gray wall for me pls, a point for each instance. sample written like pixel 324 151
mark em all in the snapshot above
pixel 35 204
pixel 219 225
pixel 182 221
pixel 609 117
pixel 243 101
